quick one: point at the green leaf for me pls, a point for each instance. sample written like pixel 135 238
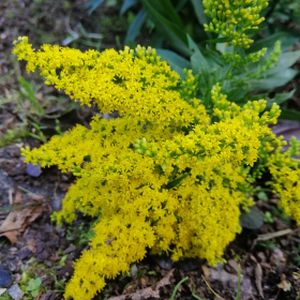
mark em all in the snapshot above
pixel 28 92
pixel 92 5
pixel 286 60
pixel 198 60
pixel 127 4
pixel 167 21
pixel 277 80
pixel 198 8
pixel 290 114
pixel 254 219
pixel 280 98
pixel 180 5
pixel 177 62
pixel 135 27
pixel 34 284
pixel 165 8
pixel 286 41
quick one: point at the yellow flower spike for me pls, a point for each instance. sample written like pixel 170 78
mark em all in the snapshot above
pixel 234 19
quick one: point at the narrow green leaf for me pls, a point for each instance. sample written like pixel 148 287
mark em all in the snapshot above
pixel 280 98
pixel 173 296
pixel 180 5
pixel 28 92
pixel 135 27
pixel 166 24
pixel 198 7
pixel 166 9
pixel 127 4
pixel 92 5
pixel 290 114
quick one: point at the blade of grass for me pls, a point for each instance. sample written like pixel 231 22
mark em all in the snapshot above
pixel 173 296
pixel 238 294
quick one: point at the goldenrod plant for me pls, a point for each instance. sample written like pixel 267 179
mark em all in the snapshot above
pixel 171 174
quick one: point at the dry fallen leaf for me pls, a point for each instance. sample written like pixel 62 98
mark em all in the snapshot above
pixel 17 221
pixel 285 285
pixel 149 292
pixel 258 279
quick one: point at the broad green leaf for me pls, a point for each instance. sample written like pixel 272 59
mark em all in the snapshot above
pixel 177 62
pixel 275 81
pixel 269 41
pixel 286 60
pixel 34 284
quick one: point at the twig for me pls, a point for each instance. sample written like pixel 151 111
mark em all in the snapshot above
pixel 272 235
pixel 10 196
pixel 211 289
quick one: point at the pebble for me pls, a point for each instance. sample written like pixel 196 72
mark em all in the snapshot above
pixel 33 170
pixel 165 263
pixel 15 292
pixel 5 277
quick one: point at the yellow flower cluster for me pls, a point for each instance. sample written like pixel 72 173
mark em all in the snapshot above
pixel 129 77
pixel 234 19
pixel 285 172
pixel 165 175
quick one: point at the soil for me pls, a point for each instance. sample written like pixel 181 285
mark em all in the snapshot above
pixel 263 263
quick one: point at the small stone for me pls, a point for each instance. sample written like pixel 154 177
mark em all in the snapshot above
pixel 33 170
pixel 56 201
pixel 5 277
pixel 15 292
pixel 134 270
pixel 165 263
